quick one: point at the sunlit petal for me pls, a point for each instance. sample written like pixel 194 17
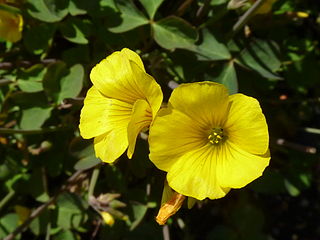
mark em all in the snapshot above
pixel 246 124
pixel 172 134
pixel 194 175
pixel 236 167
pixel 101 114
pixel 205 102
pixel 141 118
pixel 149 87
pixel 110 146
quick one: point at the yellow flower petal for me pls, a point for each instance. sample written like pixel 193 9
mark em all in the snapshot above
pixel 110 146
pixel 107 218
pixel 141 118
pixel 209 142
pixel 302 14
pixel 113 77
pixel 172 134
pixel 132 56
pixel 101 114
pixel 236 168
pixel 194 175
pixel 246 125
pixel 10 26
pixel 22 212
pixel 148 86
pixel 205 102
pixel 123 93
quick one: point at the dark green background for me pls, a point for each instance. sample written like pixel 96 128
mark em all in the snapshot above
pixel 276 59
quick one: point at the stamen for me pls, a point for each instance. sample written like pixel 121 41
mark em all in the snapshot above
pixel 216 136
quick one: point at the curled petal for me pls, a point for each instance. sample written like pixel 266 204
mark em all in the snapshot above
pixel 148 86
pixel 101 114
pixel 141 118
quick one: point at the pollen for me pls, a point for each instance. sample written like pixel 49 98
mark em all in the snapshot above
pixel 216 136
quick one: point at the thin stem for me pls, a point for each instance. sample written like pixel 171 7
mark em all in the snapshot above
pixel 183 7
pixel 25 63
pixel 33 131
pixel 48 231
pixel 246 16
pixel 203 10
pixel 44 206
pixel 6 199
pixel 93 180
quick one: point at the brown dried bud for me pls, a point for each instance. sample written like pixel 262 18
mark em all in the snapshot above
pixel 170 208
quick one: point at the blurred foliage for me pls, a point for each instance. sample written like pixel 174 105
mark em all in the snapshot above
pixel 275 58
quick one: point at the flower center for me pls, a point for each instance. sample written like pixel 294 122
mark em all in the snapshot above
pixel 216 136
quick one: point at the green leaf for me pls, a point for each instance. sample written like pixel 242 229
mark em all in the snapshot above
pixel 39 225
pixel 151 6
pixel 65 235
pixel 87 162
pixel 34 117
pixel 71 84
pixel 210 49
pixel 139 211
pixel 77 7
pixel 48 10
pixel 292 189
pixel 173 32
pixel 60 83
pixel 7 224
pixel 131 17
pixel 228 77
pixel 38 38
pixel 75 30
pixel 30 80
pixel 71 211
pixel 30 86
pixel 262 57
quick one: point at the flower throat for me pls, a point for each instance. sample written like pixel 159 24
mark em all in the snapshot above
pixel 216 136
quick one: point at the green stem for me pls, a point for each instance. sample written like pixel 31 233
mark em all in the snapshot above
pixel 33 131
pixel 6 199
pixel 93 181
pixel 246 16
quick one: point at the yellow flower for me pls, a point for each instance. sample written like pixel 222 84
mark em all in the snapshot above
pixel 22 212
pixel 107 218
pixel 10 26
pixel 208 141
pixel 123 101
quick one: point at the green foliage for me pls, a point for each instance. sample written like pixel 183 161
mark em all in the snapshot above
pixel 174 32
pixel 45 76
